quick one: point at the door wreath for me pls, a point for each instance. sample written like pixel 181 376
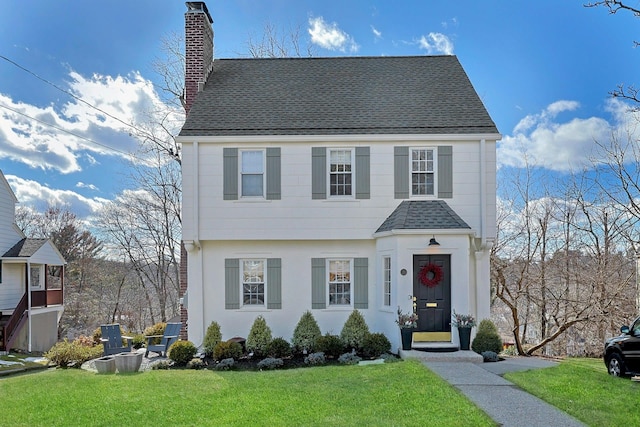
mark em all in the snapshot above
pixel 430 275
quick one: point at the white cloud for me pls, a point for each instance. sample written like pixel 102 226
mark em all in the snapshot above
pixel 543 140
pixel 32 193
pixel 377 34
pixel 81 184
pixel 55 137
pixel 329 36
pixel 436 43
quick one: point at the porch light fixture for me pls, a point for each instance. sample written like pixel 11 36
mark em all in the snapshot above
pixel 433 242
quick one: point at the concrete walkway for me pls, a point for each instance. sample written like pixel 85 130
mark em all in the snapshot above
pixel 503 401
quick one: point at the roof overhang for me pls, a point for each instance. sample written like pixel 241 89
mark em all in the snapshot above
pixel 337 138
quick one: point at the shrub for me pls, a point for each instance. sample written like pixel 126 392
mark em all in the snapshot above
pixel 349 359
pixel 259 337
pixel 270 363
pixel 375 344
pixel 315 359
pixel 306 333
pixel 227 350
pixel 224 365
pixel 389 358
pixel 354 331
pixel 211 338
pixel 196 363
pixel 157 329
pixel 72 354
pixel 85 341
pixel 161 366
pixel 181 352
pixel 138 341
pixel 487 338
pixel 490 356
pixel 279 348
pixel 331 345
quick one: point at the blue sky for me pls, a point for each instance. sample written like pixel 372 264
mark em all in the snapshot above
pixel 542 68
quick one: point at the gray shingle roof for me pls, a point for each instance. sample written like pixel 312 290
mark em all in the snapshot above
pixel 333 96
pixel 24 248
pixel 423 215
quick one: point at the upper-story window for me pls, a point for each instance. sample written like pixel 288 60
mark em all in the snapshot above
pixel 252 173
pixel 422 172
pixel 340 172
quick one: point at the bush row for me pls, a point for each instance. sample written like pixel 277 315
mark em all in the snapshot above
pixel 355 338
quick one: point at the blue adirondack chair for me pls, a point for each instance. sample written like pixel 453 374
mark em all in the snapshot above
pixel 113 340
pixel 171 333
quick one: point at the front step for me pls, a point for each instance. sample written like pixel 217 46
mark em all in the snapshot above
pixel 434 346
pixel 462 356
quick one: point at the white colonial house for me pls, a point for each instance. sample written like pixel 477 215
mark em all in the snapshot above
pixel 334 184
pixel 31 284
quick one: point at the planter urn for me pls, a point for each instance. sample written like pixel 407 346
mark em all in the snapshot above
pixel 407 336
pixel 465 338
pixel 106 365
pixel 128 362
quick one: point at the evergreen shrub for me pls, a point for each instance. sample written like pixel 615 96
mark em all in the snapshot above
pixel 259 337
pixel 211 338
pixel 279 348
pixel 487 338
pixel 375 344
pixel 306 333
pixel 227 350
pixel 330 345
pixel 354 331
pixel 181 352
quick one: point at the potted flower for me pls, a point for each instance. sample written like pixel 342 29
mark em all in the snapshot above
pixel 407 322
pixel 464 323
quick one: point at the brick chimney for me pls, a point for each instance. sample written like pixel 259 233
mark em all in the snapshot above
pixel 198 49
pixel 198 36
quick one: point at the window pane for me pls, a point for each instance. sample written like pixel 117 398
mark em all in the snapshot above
pixel 340 282
pixel 253 282
pixel 252 162
pixel 252 185
pixel 340 173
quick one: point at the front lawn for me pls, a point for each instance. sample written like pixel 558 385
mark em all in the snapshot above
pixel 397 394
pixel 582 388
pixel 14 361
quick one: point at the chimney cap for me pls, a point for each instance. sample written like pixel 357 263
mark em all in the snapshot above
pixel 199 5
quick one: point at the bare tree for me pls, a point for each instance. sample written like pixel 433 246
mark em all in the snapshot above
pixel 630 92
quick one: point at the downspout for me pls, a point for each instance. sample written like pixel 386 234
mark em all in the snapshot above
pixel 29 305
pixel 483 188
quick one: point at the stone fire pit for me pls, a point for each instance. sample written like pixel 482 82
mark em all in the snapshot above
pixel 128 362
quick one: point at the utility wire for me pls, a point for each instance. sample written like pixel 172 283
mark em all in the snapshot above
pixel 145 133
pixel 66 131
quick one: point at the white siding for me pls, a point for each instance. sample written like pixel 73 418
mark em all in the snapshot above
pixel 297 216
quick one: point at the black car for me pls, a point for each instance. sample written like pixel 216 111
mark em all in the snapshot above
pixel 622 353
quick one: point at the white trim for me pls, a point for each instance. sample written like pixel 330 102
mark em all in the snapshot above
pixel 429 232
pixel 261 139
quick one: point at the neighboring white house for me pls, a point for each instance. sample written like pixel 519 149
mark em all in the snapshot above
pixel 31 284
pixel 319 183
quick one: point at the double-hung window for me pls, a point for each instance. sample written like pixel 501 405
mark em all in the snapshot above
pixel 386 280
pixel 422 172
pixel 253 282
pixel 252 173
pixel 340 282
pixel 340 172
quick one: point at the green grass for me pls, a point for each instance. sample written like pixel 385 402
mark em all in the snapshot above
pixel 396 394
pixel 582 388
